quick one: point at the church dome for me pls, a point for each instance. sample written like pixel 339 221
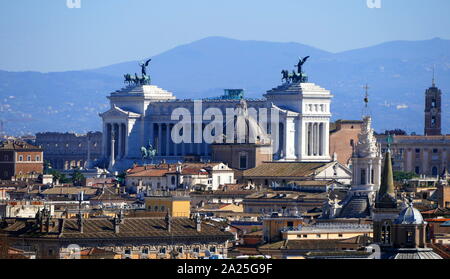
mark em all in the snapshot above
pixel 409 215
pixel 246 128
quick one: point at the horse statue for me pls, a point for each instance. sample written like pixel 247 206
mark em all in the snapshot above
pixel 294 77
pixel 144 80
pixel 285 74
pixel 127 79
pixel 148 152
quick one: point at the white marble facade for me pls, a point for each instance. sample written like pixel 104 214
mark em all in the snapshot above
pixel 141 115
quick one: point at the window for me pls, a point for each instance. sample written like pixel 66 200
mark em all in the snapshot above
pixel 212 249
pixel 20 158
pixel 180 250
pixel 435 150
pixel 434 171
pixel 243 160
pixel 417 150
pixel 290 224
pixel 162 250
pixel 127 251
pixel 352 142
pixel 409 237
pixel 363 177
pixel 305 236
pixel 417 170
pixel 145 251
pixel 28 157
pixel 318 235
pixel 38 158
pixel 162 208
pixel 340 235
pixel 371 176
pixel 173 180
pixel 196 250
pixel 386 233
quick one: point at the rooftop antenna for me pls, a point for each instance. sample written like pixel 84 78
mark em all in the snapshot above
pixel 366 111
pixel 433 84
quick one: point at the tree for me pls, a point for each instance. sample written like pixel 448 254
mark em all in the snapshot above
pixel 77 178
pixel 402 175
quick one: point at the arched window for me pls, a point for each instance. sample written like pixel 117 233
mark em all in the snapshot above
pixel 434 171
pixel 417 170
pixel 386 233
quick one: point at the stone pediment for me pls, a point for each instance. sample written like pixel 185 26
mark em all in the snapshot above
pixel 116 112
pixel 284 111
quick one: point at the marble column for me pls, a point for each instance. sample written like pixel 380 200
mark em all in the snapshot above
pixel 175 146
pixel 309 141
pixel 119 141
pixel 159 139
pixel 167 139
pixel 321 136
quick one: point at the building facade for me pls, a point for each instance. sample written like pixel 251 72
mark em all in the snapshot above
pixel 65 151
pixel 423 155
pixel 297 112
pixel 343 138
pixel 20 160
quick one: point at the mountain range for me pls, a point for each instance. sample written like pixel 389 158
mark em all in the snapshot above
pixel 398 73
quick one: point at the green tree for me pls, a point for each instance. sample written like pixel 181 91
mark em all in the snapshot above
pixel 77 178
pixel 402 175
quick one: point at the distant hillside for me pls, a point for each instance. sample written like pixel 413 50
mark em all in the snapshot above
pixel 397 72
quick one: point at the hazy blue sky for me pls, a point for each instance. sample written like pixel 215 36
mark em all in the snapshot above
pixel 45 35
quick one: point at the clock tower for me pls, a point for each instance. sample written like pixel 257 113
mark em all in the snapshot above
pixel 433 111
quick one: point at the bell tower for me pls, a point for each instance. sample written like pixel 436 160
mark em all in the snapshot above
pixel 433 110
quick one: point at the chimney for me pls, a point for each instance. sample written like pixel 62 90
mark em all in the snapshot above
pixel 198 223
pixel 168 220
pixel 61 223
pixel 116 223
pixel 80 222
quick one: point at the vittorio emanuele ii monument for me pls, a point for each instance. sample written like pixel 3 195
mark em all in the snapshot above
pixel 293 117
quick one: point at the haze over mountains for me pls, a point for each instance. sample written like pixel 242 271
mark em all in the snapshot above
pixel 398 74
